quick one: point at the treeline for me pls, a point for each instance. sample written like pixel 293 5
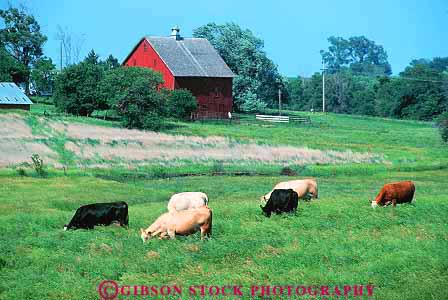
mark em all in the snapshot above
pixel 419 92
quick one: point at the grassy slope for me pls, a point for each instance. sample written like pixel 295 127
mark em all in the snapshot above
pixel 336 240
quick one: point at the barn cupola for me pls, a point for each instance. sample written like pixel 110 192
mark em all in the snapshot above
pixel 175 33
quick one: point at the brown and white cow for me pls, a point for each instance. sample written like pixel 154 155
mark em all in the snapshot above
pixel 393 193
pixel 183 222
pixel 305 188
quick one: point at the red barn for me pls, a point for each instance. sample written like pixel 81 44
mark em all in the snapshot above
pixel 189 63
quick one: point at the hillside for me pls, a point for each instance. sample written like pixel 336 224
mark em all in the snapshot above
pixel 362 142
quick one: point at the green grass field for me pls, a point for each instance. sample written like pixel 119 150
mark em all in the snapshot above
pixel 336 240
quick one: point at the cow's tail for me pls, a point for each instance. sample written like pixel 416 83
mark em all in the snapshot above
pixel 413 193
pixel 126 219
pixel 211 223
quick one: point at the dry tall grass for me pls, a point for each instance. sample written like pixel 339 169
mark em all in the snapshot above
pixel 103 146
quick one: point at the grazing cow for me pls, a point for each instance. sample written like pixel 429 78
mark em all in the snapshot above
pixel 393 193
pixel 187 200
pixel 88 216
pixel 281 201
pixel 182 222
pixel 305 188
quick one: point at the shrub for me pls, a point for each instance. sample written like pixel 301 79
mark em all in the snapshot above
pixel 217 167
pixel 181 103
pixel 287 171
pixel 134 93
pixel 77 89
pixel 38 165
pixel 250 102
pixel 21 172
pixel 443 126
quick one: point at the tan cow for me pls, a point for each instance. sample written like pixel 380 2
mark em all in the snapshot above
pixel 183 222
pixel 303 187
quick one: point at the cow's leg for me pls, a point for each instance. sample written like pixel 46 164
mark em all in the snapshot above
pixel 163 235
pixel 156 232
pixel 172 233
pixel 394 202
pixel 124 222
pixel 206 230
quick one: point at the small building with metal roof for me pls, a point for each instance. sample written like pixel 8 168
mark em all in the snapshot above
pixel 12 97
pixel 188 63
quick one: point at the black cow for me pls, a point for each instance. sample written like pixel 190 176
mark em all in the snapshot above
pixel 88 216
pixel 281 201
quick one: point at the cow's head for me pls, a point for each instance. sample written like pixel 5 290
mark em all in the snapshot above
pixel 265 211
pixel 373 204
pixel 65 227
pixel 145 235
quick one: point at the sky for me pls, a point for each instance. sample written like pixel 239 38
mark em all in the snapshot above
pixel 294 31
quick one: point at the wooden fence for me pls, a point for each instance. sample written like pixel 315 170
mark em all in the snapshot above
pixel 208 115
pixel 283 119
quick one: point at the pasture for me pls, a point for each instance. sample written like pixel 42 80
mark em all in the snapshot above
pixel 336 240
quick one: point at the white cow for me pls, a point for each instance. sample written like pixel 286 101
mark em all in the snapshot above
pixel 187 200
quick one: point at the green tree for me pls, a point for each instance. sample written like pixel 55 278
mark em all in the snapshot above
pixel 388 97
pixel 22 39
pixel 92 58
pixel 243 52
pixel 358 53
pixel 423 93
pixel 43 74
pixel 251 103
pixel 312 93
pixel 363 96
pixel 181 103
pixel 77 89
pixel 111 62
pixel 338 92
pixel 10 69
pixel 134 93
pixel 295 87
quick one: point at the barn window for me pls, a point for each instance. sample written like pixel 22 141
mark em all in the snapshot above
pixel 145 47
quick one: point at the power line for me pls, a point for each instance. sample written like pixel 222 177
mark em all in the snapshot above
pixel 397 77
pixel 419 79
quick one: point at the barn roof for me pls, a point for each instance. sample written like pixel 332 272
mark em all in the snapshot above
pixel 12 94
pixel 188 57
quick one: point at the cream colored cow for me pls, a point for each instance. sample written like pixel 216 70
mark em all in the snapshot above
pixel 304 188
pixel 187 200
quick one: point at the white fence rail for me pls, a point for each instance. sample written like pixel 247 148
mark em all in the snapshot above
pixel 275 119
pixel 283 119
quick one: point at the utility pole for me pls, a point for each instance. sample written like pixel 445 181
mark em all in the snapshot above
pixel 61 54
pixel 279 102
pixel 323 86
